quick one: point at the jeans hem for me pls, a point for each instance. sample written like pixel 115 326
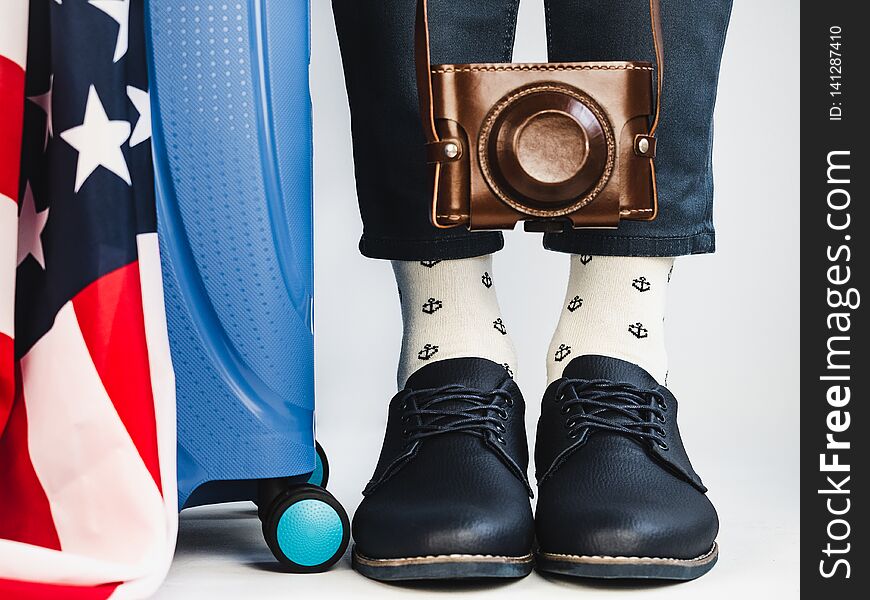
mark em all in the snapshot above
pixel 611 244
pixel 446 247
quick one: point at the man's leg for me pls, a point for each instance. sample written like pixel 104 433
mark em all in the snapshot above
pixel 617 496
pixel 449 497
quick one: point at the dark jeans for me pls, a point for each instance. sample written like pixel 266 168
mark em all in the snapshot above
pixel 376 38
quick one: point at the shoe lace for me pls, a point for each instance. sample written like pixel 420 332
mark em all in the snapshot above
pixel 456 408
pixel 602 405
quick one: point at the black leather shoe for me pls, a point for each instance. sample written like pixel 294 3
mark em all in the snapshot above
pixel 449 498
pixel 618 497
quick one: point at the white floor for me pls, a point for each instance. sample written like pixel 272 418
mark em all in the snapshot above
pixel 221 554
pixel 732 335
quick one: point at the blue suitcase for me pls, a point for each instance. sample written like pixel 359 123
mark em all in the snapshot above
pixel 232 147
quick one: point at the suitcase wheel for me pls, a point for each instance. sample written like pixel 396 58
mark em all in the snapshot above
pixel 307 529
pixel 320 476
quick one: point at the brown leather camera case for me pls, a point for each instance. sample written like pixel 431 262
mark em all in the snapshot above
pixel 553 144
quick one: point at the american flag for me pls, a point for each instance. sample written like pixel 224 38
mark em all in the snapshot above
pixel 87 398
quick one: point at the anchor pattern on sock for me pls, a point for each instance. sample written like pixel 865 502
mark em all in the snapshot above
pixel 431 305
pixel 427 352
pixel 576 302
pixel 641 284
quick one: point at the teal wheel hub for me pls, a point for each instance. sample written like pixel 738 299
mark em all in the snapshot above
pixel 310 532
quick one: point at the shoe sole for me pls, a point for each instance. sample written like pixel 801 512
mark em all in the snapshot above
pixel 627 567
pixel 445 566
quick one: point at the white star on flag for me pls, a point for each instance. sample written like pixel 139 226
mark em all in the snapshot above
pixel 120 11
pixel 30 227
pixel 142 101
pixel 98 142
pixel 43 101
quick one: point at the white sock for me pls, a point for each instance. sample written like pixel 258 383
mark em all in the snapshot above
pixel 615 306
pixel 450 310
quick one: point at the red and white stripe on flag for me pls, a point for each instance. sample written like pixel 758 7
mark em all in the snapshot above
pixel 88 504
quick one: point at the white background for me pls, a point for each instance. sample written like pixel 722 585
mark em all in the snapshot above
pixel 732 329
